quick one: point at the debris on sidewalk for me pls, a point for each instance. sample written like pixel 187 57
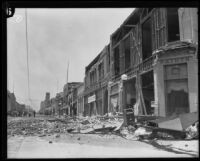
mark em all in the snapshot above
pixel 146 127
pixel 192 131
pixel 85 122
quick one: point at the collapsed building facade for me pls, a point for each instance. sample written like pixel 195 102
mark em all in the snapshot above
pixel 154 62
pixel 97 75
pixel 45 105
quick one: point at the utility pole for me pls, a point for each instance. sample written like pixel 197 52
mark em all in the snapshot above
pixel 13 86
pixel 27 58
pixel 57 85
pixel 67 82
pixel 67 71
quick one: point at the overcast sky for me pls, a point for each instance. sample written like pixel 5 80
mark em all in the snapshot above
pixel 56 36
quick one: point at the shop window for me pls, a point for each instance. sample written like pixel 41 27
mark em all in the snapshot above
pixel 176 89
pixel 116 61
pixel 173 24
pixel 127 53
pixel 146 39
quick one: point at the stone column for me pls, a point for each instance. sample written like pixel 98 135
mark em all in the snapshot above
pixel 159 89
pixel 193 84
pixel 109 92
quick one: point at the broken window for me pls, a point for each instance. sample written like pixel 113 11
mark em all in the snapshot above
pixel 127 51
pixel 146 39
pixel 158 18
pixel 173 24
pixel 116 61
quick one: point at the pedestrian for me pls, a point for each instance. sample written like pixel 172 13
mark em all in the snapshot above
pixel 34 113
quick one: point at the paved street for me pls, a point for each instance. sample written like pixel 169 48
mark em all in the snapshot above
pixel 87 146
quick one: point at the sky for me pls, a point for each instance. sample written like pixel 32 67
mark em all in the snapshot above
pixel 55 37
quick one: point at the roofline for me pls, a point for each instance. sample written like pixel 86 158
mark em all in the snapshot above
pixel 132 13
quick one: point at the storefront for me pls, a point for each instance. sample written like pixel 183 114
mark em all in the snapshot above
pixel 176 82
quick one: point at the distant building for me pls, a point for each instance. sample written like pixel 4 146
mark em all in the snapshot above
pixel 45 104
pixel 11 101
pixel 70 98
pixel 13 107
pixel 80 100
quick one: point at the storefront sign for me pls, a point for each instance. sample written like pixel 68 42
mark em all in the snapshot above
pixel 91 98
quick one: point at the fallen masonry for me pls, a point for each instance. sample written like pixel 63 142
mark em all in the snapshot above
pixel 182 127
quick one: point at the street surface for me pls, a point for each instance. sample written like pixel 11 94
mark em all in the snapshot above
pixel 66 145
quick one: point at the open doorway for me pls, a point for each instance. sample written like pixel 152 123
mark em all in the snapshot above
pixel 148 90
pixel 130 93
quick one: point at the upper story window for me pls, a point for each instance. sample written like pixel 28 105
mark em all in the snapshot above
pixel 101 70
pixel 127 51
pixel 116 61
pixel 173 24
pixel 108 59
pixel 93 77
pixel 146 39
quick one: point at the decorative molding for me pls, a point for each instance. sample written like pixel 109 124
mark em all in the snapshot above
pixel 175 60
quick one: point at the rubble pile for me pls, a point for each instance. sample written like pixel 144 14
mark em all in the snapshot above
pixel 192 131
pixel 162 128
pixel 35 127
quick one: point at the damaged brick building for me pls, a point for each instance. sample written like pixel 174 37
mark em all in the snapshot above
pixel 96 79
pixel 154 62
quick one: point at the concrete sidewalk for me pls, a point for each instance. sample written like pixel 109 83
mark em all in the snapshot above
pixel 34 147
